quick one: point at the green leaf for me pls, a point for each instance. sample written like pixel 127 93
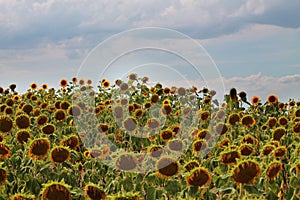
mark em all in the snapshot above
pixel 173 187
pixel 252 190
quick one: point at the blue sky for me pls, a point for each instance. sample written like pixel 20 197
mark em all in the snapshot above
pixel 254 43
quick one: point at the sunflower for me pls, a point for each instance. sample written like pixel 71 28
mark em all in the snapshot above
pixel 118 112
pixel 81 82
pixel 124 87
pixel 72 142
pixel 39 148
pixel 102 128
pixel 246 171
pixel 272 121
pixel 181 91
pixel 278 133
pixel 249 139
pixel 175 145
pixel 255 100
pixel 8 110
pixel 33 86
pixel 48 129
pixel 63 83
pixel 153 123
pixel 221 128
pixel 154 98
pixel 20 196
pixel 166 135
pixel 224 143
pixel 41 120
pixel 22 136
pixel 189 166
pixel 166 110
pixel 16 98
pixel 126 162
pixel 118 82
pixel 283 121
pixel 56 191
pixel 44 105
pixel 60 115
pixel 147 105
pixel 130 124
pixel 273 170
pixel 296 128
pixel 246 150
pixel 167 166
pixel 59 154
pixel 279 152
pixel 204 115
pixel 248 120
pixel 233 119
pixel 36 112
pixel 27 108
pixel 138 113
pixel 230 157
pixel 272 99
pixel 155 151
pixel 106 84
pixel 198 177
pixel 6 124
pixel 199 145
pixel 93 192
pixel 3 176
pixel 4 151
pixel 44 86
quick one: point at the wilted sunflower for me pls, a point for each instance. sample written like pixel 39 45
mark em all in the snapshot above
pixel 72 142
pixel 153 123
pixel 246 171
pixel 221 128
pixel 27 108
pixel 230 157
pixel 6 124
pixel 22 136
pixel 3 176
pixel 278 133
pixel 246 150
pixel 39 148
pixel 41 120
pixel 155 151
pixel 22 121
pixel 130 124
pixel 56 191
pixel 48 129
pixel 102 128
pixel 93 192
pixel 154 98
pixel 248 120
pixel 60 115
pixel 126 162
pixel 296 128
pixel 175 145
pixel 167 166
pixel 4 151
pixel 59 154
pixel 272 99
pixel 189 166
pixel 199 177
pixel 279 152
pixel 233 118
pixel 199 145
pixel 273 170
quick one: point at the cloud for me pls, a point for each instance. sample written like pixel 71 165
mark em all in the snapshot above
pixel 26 23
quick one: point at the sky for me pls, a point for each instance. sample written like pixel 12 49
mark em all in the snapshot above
pixel 252 45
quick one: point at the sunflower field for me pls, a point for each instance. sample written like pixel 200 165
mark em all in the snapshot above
pixel 129 140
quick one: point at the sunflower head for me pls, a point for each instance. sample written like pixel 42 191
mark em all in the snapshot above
pixel 246 171
pixel 3 176
pixel 273 170
pixel 39 148
pixel 4 151
pixel 199 177
pixel 126 162
pixel 6 124
pixel 56 191
pixel 167 166
pixel 94 192
pixel 59 154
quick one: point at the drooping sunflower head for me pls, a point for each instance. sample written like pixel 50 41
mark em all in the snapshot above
pixel 155 151
pixel 246 171
pixel 3 176
pixel 166 135
pixel 230 156
pixel 246 150
pixel 126 162
pixel 60 115
pixel 94 192
pixel 278 133
pixel 39 148
pixel 48 129
pixel 176 145
pixel 59 154
pixel 72 142
pixel 221 128
pixel 4 151
pixel 22 121
pixel 199 177
pixel 233 119
pixel 248 120
pixel 6 124
pixel 22 136
pixel 199 145
pixel 273 170
pixel 56 191
pixel 189 166
pixel 167 166
pixel 130 124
